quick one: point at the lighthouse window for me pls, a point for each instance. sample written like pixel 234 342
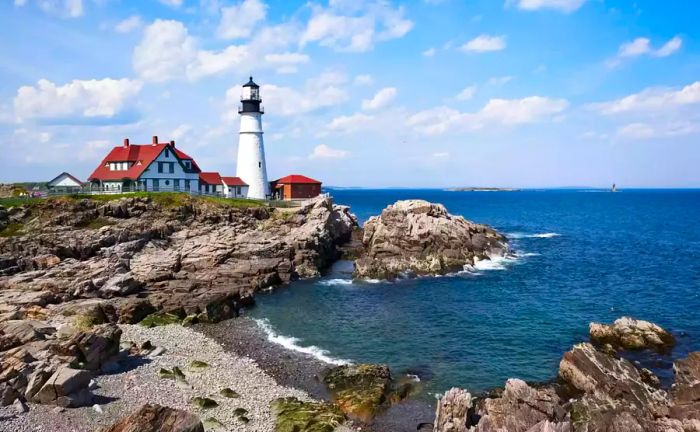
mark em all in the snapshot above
pixel 259 164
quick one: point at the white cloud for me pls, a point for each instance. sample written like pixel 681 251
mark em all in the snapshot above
pixel 238 21
pixel 213 63
pixel 644 131
pixel 381 99
pixel 669 47
pixel 467 93
pixel 104 98
pixel 93 150
pixel 61 8
pixel 355 26
pixel 485 43
pixel 561 5
pixel 362 80
pixel 164 52
pixel 429 52
pixel 28 135
pixel 128 25
pixel 350 123
pixel 503 112
pixel 642 46
pixel 652 100
pixel 325 90
pixel 322 151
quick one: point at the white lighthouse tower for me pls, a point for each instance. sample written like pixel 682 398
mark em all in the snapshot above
pixel 250 166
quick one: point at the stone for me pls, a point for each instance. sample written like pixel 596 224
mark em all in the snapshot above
pixel 631 334
pixel 360 390
pixel 160 319
pixel 157 351
pixel 198 365
pixel 36 381
pixel 8 394
pixel 20 407
pixel 685 392
pixel 157 418
pixel 204 402
pixel 227 392
pixel 63 383
pixel 293 415
pixel 135 310
pixel 452 411
pixel 94 347
pixel 416 237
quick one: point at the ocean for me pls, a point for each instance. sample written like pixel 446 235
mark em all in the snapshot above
pixel 579 256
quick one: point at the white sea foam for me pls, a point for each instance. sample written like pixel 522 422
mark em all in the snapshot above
pixel 292 343
pixel 332 282
pixel 519 235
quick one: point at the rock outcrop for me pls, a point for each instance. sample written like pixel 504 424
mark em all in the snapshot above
pixel 596 391
pixel 156 418
pixel 416 237
pixel 630 334
pixel 73 268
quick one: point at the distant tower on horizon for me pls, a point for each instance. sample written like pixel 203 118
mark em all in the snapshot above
pixel 250 165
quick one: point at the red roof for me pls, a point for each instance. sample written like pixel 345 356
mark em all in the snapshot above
pixel 296 179
pixel 212 178
pixel 140 155
pixel 233 181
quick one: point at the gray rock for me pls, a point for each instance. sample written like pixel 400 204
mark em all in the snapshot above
pixel 631 334
pixel 36 381
pixel 20 407
pixel 63 383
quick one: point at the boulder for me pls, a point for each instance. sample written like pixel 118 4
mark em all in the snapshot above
pixel 685 392
pixel 631 334
pixel 92 348
pixel 452 413
pixel 416 237
pixel 360 390
pixel 156 418
pixel 293 415
pixel 64 388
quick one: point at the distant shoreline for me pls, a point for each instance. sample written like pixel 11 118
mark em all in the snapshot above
pixel 481 189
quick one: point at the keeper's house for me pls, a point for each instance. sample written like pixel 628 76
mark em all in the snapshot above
pixel 295 186
pixel 159 167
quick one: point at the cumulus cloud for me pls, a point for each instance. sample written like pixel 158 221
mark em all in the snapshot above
pixel 325 90
pixel 181 131
pixel 560 5
pixel 323 151
pixel 106 98
pixel 430 52
pixel 485 43
pixel 503 112
pixel 652 100
pixel 128 25
pixel 164 52
pixel 354 26
pixel 238 21
pixel 381 99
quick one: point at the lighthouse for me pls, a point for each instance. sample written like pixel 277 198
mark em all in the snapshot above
pixel 250 166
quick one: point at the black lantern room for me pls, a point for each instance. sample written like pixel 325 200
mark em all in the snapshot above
pixel 250 98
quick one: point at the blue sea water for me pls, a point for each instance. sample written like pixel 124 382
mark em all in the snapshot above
pixel 582 256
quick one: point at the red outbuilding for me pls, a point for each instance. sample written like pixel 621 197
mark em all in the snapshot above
pixel 295 186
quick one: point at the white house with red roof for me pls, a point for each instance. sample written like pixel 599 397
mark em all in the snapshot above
pixel 159 167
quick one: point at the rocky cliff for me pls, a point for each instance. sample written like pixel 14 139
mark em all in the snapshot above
pixel 416 237
pixel 72 268
pixel 594 391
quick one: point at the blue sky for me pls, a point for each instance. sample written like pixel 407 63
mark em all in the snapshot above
pixel 430 93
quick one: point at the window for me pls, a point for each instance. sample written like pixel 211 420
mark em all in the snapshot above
pixel 176 185
pixel 259 164
pixel 160 167
pixel 167 153
pixel 171 167
pixel 156 185
pixel 167 182
pixel 187 164
pixel 238 190
pixel 187 185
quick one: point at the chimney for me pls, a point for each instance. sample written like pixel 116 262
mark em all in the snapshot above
pixel 126 142
pixel 172 143
pixel 155 139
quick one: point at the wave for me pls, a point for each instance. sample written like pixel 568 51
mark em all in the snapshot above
pixel 292 343
pixel 333 282
pixel 519 235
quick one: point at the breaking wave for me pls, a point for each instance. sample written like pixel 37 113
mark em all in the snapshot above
pixel 333 282
pixel 519 235
pixel 292 343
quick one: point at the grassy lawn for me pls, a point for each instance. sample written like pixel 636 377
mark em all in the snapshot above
pixel 17 201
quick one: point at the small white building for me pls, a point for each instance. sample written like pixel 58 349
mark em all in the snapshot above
pixel 65 183
pixel 212 183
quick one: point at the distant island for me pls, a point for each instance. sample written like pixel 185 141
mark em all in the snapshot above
pixel 481 189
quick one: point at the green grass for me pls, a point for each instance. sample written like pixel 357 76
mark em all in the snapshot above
pixel 17 201
pixel 12 230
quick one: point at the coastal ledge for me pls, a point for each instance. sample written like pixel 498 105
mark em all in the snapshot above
pixel 416 237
